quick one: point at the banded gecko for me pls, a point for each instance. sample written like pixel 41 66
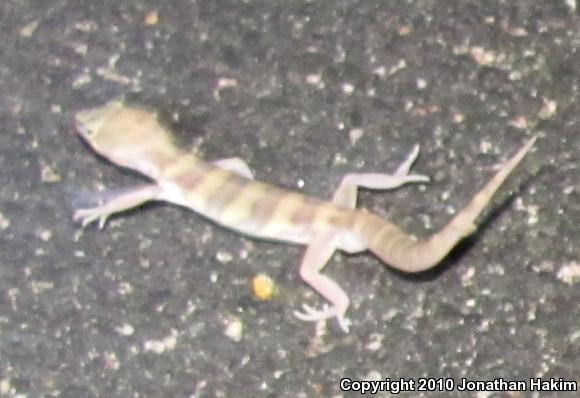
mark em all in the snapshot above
pixel 225 192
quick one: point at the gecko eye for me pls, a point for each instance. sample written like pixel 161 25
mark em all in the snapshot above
pixel 85 131
pixel 86 124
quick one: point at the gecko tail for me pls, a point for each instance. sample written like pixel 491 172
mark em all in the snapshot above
pixel 410 255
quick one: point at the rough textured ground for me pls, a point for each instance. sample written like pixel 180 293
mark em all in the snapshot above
pixel 159 304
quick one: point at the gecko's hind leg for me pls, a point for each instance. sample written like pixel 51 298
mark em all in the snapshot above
pixel 346 194
pixel 315 258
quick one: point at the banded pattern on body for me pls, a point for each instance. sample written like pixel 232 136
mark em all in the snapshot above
pixel 253 207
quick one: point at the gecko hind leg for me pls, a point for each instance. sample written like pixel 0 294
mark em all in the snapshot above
pixel 315 258
pixel 346 194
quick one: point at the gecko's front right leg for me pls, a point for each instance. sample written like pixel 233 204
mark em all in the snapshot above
pixel 121 202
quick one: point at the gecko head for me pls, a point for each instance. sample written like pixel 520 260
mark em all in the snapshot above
pixel 128 136
pixel 90 123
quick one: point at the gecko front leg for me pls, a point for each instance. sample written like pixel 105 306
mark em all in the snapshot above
pixel 346 194
pixel 236 165
pixel 121 202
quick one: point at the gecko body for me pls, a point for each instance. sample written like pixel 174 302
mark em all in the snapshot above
pixel 225 192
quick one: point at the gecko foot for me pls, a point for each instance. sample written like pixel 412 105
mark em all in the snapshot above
pixel 87 216
pixel 405 167
pixel 310 314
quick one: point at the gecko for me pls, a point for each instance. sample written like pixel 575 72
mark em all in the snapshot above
pixel 225 192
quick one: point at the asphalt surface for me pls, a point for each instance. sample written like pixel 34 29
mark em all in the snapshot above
pixel 160 303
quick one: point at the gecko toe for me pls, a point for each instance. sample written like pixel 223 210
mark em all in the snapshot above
pixel 87 216
pixel 344 323
pixel 311 314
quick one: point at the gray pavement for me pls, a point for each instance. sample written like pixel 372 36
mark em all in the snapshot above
pixel 159 304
